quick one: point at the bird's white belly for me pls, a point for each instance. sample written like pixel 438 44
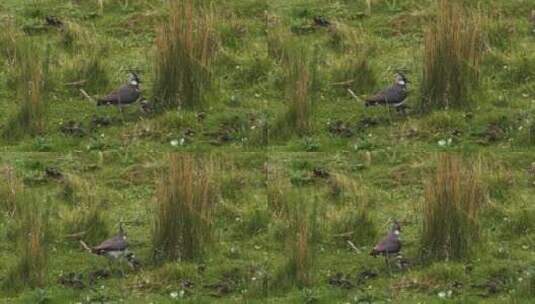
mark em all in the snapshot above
pixel 115 254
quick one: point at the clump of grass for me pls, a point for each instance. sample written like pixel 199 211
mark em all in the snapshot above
pixel 185 49
pixel 355 74
pixel 277 40
pixel 452 53
pixel 31 237
pixel 522 68
pixel 278 187
pixel 256 221
pixel 29 118
pixel 301 92
pixel 300 238
pixel 521 222
pixel 453 199
pixel 526 288
pixel 75 37
pixel 342 186
pixel 355 225
pixel 75 189
pixel 86 221
pixel 185 201
pixel 87 70
pixel 353 222
pixel 10 188
pixel 344 38
pixel 8 40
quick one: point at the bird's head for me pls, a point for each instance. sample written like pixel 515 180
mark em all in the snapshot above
pixel 121 230
pixel 133 79
pixel 401 79
pixel 396 227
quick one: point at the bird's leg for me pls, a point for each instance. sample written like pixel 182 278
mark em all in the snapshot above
pixel 121 268
pixel 388 264
pixel 120 111
pixel 110 266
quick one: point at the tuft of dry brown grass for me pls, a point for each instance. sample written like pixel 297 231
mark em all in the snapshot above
pixel 185 49
pixel 278 188
pixel 453 199
pixel 301 92
pixel 10 189
pixel 185 200
pixel 452 53
pixel 300 238
pixel 31 231
pixel 29 118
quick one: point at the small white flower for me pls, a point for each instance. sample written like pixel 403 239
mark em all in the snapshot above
pixel 174 295
pixel 442 294
pixel 442 142
pixel 174 143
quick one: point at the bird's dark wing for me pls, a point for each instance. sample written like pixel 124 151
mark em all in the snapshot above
pixel 379 98
pixel 124 95
pixel 117 243
pixel 389 244
pixel 391 95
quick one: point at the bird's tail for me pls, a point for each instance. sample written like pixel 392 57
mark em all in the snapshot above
pixel 102 102
pixel 86 247
pixel 371 103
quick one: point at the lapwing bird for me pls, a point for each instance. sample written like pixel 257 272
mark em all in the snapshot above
pixel 115 249
pixel 393 96
pixel 390 245
pixel 125 95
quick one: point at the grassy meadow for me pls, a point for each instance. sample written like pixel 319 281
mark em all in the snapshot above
pixel 253 172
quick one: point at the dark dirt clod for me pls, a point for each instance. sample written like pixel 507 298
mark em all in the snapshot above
pixel 366 275
pixel 367 122
pixel 340 128
pixel 321 21
pixel 320 172
pixel 494 133
pixel 73 128
pixel 146 107
pixel 52 172
pixel 340 280
pixel 99 274
pixel 186 284
pixel 53 21
pixel 100 121
pixel 201 116
pixel 227 284
pixel 72 280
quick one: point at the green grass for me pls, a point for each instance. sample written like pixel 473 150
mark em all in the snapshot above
pixel 372 167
